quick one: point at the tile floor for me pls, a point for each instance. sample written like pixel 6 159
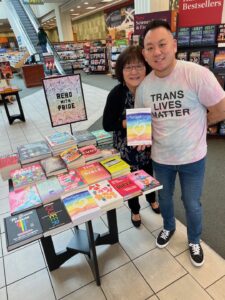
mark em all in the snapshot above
pixel 133 269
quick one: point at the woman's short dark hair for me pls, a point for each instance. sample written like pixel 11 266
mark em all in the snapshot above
pixel 129 55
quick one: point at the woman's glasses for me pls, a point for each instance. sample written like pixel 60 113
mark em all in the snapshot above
pixel 129 68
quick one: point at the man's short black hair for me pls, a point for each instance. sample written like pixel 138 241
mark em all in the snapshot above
pixel 156 24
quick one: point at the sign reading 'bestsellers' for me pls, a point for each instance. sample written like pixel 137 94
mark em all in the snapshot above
pixel 201 12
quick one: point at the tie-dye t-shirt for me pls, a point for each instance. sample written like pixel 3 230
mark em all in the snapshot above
pixel 179 106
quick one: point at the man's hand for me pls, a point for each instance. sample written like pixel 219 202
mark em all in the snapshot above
pixel 216 113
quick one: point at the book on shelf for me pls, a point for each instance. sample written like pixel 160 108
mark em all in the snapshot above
pixel 146 182
pixel 219 60
pixel 207 58
pixel 33 152
pixel 126 187
pixel 81 207
pixel 105 195
pixel 139 126
pixel 116 166
pixel 22 229
pixel 90 153
pixel 8 163
pixel 221 34
pixel 209 35
pixel 49 190
pixel 72 157
pixel 194 57
pixel 53 166
pixel 196 35
pixel 182 55
pixel 27 176
pixel 71 181
pixel 183 36
pixel 93 173
pixel 84 138
pixel 24 199
pixel 54 218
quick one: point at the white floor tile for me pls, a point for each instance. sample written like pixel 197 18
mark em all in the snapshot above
pixel 217 290
pixel 2 274
pixel 3 295
pixel 90 291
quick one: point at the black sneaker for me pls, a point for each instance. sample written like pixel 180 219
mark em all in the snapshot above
pixel 196 254
pixel 164 238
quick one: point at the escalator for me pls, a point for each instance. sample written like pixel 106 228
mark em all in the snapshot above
pixel 25 24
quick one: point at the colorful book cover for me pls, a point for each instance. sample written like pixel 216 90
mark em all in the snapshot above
pixel 93 172
pixel 8 160
pixel 221 33
pixel 125 187
pixel 27 176
pixel 81 207
pixel 53 217
pixel 144 180
pixel 71 181
pixel 52 165
pixel 183 36
pixel 139 130
pixel 114 164
pixel 59 138
pixel 182 56
pixel 219 62
pixel 70 155
pixel 49 190
pixel 207 58
pixel 83 135
pixel 22 229
pixel 32 151
pixel 101 135
pixel 24 199
pixel 195 57
pixel 209 35
pixel 196 35
pixel 90 152
pixel 105 195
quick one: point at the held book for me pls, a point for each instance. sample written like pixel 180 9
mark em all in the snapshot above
pixel 27 176
pixel 54 218
pixel 93 173
pixel 81 207
pixel 139 129
pixel 105 195
pixel 22 229
pixel 125 187
pixel 49 190
pixel 24 199
pixel 145 181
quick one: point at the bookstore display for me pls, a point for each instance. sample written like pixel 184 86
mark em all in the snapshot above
pixel 114 54
pixel 64 197
pixel 205 45
pixel 98 59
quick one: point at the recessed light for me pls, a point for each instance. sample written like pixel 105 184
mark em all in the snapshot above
pixel 91 7
pixel 72 10
pixel 74 14
pixel 86 3
pixel 78 6
pixel 106 0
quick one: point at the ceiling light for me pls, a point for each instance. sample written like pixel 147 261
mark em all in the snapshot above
pixel 78 6
pixel 74 14
pixel 72 10
pixel 91 7
pixel 86 3
pixel 106 0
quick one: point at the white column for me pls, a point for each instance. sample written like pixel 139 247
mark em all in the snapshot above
pixel 63 22
pixel 148 6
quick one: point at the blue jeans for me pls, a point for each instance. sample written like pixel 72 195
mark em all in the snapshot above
pixel 44 48
pixel 191 180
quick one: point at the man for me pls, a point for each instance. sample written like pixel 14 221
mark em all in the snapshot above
pixel 42 39
pixel 179 94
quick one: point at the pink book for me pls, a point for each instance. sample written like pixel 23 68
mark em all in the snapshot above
pixel 71 181
pixel 8 160
pixel 93 173
pixel 144 181
pixel 90 152
pixel 24 199
pixel 126 187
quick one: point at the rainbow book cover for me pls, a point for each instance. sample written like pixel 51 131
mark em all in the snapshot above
pixel 139 130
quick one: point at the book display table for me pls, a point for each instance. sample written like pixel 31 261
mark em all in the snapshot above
pixel 15 92
pixel 84 241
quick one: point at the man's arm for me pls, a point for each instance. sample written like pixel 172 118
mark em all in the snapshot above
pixel 216 112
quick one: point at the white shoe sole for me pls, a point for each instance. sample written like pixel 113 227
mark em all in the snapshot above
pixel 161 246
pixel 195 263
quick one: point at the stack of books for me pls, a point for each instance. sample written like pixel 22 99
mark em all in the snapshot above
pixel 90 153
pixel 146 182
pixel 8 163
pixel 71 181
pixel 24 199
pixel 60 141
pixel 81 207
pixel 33 152
pixel 84 138
pixel 109 152
pixel 103 137
pixel 125 187
pixel 49 190
pixel 53 166
pixel 72 158
pixel 93 173
pixel 27 176
pixel 115 166
pixel 105 195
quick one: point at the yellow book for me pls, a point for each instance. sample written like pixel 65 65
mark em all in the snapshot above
pixel 115 165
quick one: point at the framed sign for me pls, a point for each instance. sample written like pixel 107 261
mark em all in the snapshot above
pixel 65 99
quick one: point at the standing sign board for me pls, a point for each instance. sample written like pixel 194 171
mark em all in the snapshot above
pixel 65 99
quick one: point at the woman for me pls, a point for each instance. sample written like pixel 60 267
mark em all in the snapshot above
pixel 130 70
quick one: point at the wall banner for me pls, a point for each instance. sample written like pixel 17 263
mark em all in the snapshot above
pixel 65 99
pixel 200 12
pixel 141 20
